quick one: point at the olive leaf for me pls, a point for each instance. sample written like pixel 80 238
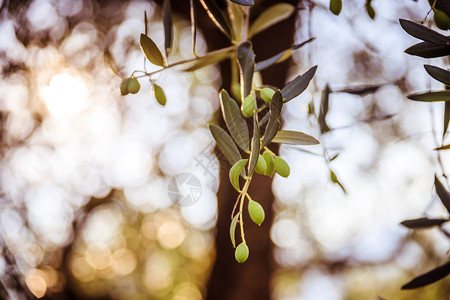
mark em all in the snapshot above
pixel 207 60
pixel 438 74
pixel 280 57
pixel 275 106
pixel 431 96
pixel 233 230
pixel 151 51
pixel 298 85
pixel 217 16
pixel 445 147
pixel 324 102
pixel 193 25
pixel 424 33
pixel 225 144
pixel 235 171
pixel 271 16
pixel 235 120
pixel 237 15
pixel 294 138
pixel 369 9
pixel 428 50
pixel 256 143
pixel 423 223
pixel 246 59
pixel 429 277
pixel 443 194
pixel 244 2
pixel 145 23
pixel 168 27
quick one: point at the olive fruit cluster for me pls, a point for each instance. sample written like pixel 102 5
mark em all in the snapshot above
pixel 129 85
pixel 268 164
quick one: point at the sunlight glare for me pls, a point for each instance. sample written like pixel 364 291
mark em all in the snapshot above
pixel 66 95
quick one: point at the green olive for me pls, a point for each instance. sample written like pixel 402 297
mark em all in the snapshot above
pixel 133 85
pixel 241 253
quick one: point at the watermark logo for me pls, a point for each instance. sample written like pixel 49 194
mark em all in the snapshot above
pixel 184 189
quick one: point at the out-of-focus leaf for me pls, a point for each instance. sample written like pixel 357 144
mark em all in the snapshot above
pixel 431 96
pixel 324 102
pixel 298 85
pixel 151 51
pixel 271 16
pixel 360 90
pixel 256 143
pixel 236 14
pixel 423 223
pixel 217 16
pixel 225 144
pixel 429 277
pixel 369 9
pixel 443 194
pixel 280 57
pixel 235 171
pixel 168 26
pixel 336 6
pixel 193 26
pixel 275 106
pixel 445 147
pixel 424 33
pixel 294 138
pixel 244 2
pixel 246 59
pixel 235 120
pixel 145 23
pixel 446 118
pixel 233 230
pixel 438 74
pixel 335 180
pixel 207 60
pixel 428 50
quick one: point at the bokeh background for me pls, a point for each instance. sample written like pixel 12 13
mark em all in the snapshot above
pixel 84 175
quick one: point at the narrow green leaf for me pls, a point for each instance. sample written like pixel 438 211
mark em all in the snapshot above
pixel 145 23
pixel 429 277
pixel 168 26
pixel 324 103
pixel 428 50
pixel 271 16
pixel 225 144
pixel 424 33
pixel 151 51
pixel 431 96
pixel 207 60
pixel 369 9
pixel 298 85
pixel 280 57
pixel 236 14
pixel 193 26
pixel 438 74
pixel 235 172
pixel 235 120
pixel 246 59
pixel 256 140
pixel 294 138
pixel 244 2
pixel 445 147
pixel 443 194
pixel 423 223
pixel 233 230
pixel 335 180
pixel 446 117
pixel 275 107
pixel 217 16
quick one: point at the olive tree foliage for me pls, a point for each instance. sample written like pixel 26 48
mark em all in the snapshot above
pixel 433 45
pixel 251 111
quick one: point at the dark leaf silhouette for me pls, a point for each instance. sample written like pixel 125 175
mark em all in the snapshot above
pixel 275 106
pixel 217 16
pixel 438 74
pixel 429 277
pixel 424 33
pixel 235 120
pixel 442 192
pixel 298 85
pixel 225 144
pixel 423 223
pixel 246 59
pixel 428 50
pixel 431 96
pixel 256 146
